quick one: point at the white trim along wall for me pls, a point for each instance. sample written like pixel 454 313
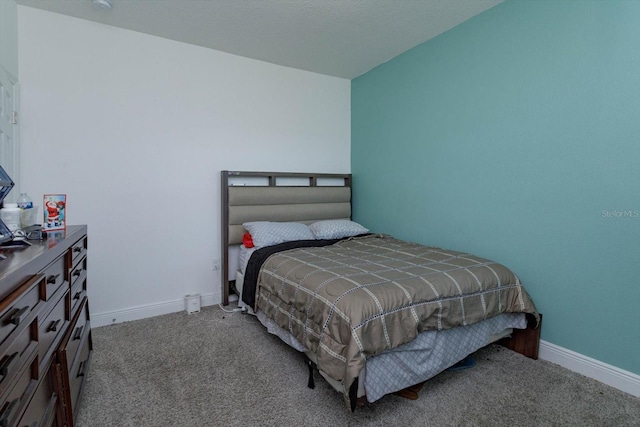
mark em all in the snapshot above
pixel 592 368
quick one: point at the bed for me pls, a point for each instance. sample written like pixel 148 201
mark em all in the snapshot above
pixel 373 314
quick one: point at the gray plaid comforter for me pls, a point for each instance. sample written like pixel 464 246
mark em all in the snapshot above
pixel 365 295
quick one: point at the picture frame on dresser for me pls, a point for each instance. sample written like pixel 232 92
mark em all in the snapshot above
pixel 55 212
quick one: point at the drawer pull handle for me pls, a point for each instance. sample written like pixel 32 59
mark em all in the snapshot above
pixel 7 413
pixel 19 315
pixel 8 364
pixel 54 326
pixel 52 279
pixel 77 295
pixel 77 272
pixel 77 249
pixel 77 334
pixel 81 368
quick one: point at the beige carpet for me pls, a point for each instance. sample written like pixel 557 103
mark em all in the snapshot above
pixel 218 369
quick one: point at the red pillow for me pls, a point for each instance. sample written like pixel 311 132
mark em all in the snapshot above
pixel 247 240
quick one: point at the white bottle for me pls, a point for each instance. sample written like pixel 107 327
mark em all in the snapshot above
pixel 24 201
pixel 10 214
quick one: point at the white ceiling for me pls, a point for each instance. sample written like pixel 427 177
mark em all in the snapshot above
pixel 342 38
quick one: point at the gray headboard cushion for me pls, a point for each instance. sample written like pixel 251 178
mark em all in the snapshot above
pixel 299 204
pixel 271 202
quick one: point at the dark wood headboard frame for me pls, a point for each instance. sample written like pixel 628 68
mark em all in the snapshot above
pixel 309 180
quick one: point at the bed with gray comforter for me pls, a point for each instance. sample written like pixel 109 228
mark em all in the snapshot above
pixel 366 295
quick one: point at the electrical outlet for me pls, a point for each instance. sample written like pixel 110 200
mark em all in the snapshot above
pixel 215 265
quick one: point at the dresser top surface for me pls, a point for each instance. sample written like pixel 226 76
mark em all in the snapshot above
pixel 23 262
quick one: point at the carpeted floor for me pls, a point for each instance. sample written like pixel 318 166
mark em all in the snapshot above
pixel 219 369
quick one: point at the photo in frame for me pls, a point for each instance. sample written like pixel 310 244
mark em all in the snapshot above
pixel 55 212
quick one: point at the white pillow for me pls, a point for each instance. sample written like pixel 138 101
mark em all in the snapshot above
pixel 336 229
pixel 265 233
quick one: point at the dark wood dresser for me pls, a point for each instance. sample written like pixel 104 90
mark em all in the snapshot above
pixel 45 334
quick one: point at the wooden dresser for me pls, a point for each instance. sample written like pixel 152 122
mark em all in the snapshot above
pixel 45 334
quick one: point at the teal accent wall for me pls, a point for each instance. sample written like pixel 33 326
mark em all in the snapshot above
pixel 516 136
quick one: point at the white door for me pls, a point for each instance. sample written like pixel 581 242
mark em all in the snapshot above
pixel 9 144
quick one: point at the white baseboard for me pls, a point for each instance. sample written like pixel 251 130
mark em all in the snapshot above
pixel 145 311
pixel 592 368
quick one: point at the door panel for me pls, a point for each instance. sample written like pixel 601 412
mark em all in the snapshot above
pixel 9 144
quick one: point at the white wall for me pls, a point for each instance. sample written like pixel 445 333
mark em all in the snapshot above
pixel 135 130
pixel 8 37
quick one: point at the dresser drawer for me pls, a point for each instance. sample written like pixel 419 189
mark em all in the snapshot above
pixel 78 286
pixel 55 275
pixel 78 293
pixel 23 343
pixel 14 402
pixel 41 411
pixel 78 251
pixel 51 326
pixel 80 369
pixel 77 333
pixel 79 271
pixel 19 307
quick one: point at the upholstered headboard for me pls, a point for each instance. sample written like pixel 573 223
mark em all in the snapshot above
pixel 277 196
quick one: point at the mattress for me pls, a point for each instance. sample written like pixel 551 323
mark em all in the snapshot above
pixel 239 286
pixel 244 256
